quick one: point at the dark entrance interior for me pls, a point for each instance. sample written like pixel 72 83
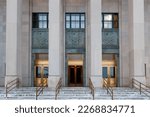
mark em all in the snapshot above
pixel 75 75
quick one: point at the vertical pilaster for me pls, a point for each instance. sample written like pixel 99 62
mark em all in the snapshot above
pixel 13 37
pixel 95 42
pixel 55 41
pixel 136 37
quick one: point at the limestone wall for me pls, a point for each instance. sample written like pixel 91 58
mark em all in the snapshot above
pixel 147 40
pixel 40 5
pixel 2 40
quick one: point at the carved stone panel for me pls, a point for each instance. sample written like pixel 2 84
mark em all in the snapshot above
pixel 110 39
pixel 75 39
pixel 40 39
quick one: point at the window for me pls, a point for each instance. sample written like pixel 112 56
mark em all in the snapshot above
pixel 75 20
pixel 110 21
pixel 40 20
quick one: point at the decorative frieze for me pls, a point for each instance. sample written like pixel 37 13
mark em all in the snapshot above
pixel 75 39
pixel 110 40
pixel 39 38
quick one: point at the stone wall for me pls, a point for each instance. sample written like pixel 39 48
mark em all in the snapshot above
pixel 40 5
pixel 147 40
pixel 124 43
pixel 75 5
pixel 2 40
pixel 25 44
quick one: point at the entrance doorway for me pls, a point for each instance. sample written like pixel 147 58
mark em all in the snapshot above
pixel 75 75
pixel 41 73
pixel 75 70
pixel 109 71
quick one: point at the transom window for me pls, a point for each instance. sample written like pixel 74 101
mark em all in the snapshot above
pixel 75 20
pixel 40 20
pixel 110 20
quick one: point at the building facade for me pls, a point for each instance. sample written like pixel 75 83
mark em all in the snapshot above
pixel 45 40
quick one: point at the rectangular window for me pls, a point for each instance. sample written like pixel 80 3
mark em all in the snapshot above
pixel 110 20
pixel 40 20
pixel 75 20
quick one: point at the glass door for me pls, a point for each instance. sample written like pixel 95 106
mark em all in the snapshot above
pixel 109 73
pixel 41 75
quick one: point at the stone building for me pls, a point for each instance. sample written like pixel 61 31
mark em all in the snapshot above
pixel 74 40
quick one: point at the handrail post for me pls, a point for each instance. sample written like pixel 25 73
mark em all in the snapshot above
pixel 140 87
pixel 132 82
pixel 6 91
pixel 112 95
pixel 107 89
pixel 93 94
pixel 11 85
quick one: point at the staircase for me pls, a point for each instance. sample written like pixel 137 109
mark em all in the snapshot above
pixel 27 93
pixel 72 93
pixel 120 93
pixel 80 93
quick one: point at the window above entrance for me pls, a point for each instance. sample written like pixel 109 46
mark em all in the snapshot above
pixel 75 20
pixel 110 21
pixel 40 20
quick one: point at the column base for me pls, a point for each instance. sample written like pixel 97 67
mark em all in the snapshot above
pixel 97 81
pixel 141 79
pixel 10 78
pixel 52 81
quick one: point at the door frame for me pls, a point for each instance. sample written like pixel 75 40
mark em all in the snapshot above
pixel 109 64
pixel 42 64
pixel 71 61
pixel 75 84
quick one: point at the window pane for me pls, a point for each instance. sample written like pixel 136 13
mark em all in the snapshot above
pixel 115 17
pixel 44 17
pixel 82 25
pixel 105 72
pixel 108 25
pixel 73 17
pixel 44 24
pixel 40 17
pixel 77 25
pixel 40 25
pixel 115 24
pixel 67 17
pixel 38 72
pixel 73 24
pixel 45 72
pixel 77 17
pixel 67 24
pixel 107 17
pixel 82 17
pixel 112 72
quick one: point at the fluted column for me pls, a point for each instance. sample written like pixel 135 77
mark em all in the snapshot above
pixel 13 37
pixel 95 42
pixel 55 41
pixel 136 37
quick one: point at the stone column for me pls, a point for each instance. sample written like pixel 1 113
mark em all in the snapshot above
pixel 136 38
pixel 55 41
pixel 13 37
pixel 95 42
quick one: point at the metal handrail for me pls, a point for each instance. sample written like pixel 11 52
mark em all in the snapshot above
pixel 91 86
pixel 40 88
pixel 11 85
pixel 108 88
pixel 58 87
pixel 142 87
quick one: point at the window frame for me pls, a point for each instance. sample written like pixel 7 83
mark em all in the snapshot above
pixel 113 21
pixel 37 20
pixel 79 22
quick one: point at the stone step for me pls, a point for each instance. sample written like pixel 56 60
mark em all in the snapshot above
pixel 73 93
